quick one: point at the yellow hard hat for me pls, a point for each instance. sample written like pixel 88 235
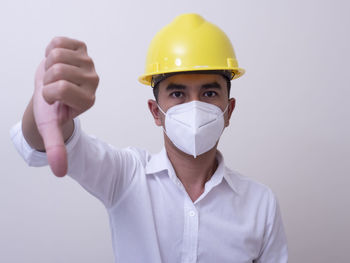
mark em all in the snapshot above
pixel 190 43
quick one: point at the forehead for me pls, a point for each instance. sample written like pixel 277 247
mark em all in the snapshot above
pixel 194 80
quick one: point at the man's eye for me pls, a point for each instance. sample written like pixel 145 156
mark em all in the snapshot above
pixel 176 94
pixel 210 94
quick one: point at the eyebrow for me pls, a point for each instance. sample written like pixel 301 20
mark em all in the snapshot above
pixel 173 86
pixel 213 85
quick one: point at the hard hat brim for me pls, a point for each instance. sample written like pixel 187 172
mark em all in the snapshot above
pixel 147 78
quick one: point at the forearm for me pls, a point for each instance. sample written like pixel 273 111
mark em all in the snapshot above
pixel 31 133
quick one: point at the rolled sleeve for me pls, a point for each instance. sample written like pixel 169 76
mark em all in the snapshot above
pixel 32 156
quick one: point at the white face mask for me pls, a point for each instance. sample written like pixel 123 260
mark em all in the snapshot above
pixel 194 127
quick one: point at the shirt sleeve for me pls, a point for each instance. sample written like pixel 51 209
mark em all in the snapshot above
pixel 103 170
pixel 274 248
pixel 31 156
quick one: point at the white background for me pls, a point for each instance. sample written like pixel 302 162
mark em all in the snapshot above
pixel 290 129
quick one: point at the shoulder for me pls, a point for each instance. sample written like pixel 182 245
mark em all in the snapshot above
pixel 140 154
pixel 248 188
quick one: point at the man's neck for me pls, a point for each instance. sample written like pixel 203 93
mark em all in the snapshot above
pixel 192 172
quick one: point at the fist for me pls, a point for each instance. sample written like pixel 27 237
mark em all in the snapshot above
pixel 70 76
pixel 65 86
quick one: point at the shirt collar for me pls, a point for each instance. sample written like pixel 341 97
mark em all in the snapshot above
pixel 160 162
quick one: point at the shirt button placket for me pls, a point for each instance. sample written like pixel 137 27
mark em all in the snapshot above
pixel 190 233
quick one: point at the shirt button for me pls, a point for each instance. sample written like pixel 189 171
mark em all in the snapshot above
pixel 192 213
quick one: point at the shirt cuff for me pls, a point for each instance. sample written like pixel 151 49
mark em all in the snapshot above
pixel 33 157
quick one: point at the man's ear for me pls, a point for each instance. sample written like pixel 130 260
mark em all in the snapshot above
pixel 153 108
pixel 231 107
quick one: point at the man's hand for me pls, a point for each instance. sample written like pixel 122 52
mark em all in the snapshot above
pixel 65 85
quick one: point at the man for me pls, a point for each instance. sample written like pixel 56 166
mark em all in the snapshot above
pixel 182 204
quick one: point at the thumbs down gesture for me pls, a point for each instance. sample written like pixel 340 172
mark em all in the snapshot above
pixel 65 86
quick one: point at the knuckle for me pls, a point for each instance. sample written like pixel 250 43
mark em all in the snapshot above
pixel 91 101
pixel 96 79
pixel 57 41
pixel 93 80
pixel 46 95
pixel 62 85
pixel 88 61
pixel 57 70
pixel 62 89
pixel 82 46
pixel 55 54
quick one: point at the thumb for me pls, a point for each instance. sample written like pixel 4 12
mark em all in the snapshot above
pixel 55 148
pixel 47 118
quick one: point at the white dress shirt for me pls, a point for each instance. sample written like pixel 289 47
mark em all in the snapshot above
pixel 153 219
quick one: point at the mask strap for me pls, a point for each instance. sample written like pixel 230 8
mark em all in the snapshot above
pixel 164 115
pixel 161 109
pixel 225 109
